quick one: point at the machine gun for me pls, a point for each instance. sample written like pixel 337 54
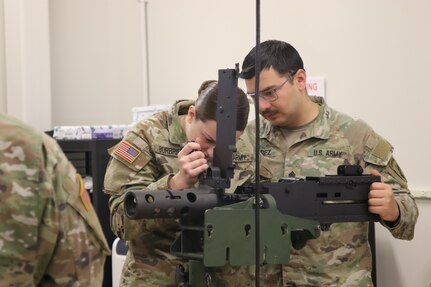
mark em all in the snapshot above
pixel 217 227
pixel 329 199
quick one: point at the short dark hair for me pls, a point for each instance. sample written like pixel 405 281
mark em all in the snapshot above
pixel 206 104
pixel 279 55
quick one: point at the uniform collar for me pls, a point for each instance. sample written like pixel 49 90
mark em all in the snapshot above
pixel 319 128
pixel 176 133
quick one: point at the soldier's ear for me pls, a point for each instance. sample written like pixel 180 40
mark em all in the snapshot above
pixel 191 113
pixel 300 78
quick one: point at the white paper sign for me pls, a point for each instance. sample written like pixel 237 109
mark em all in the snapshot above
pixel 316 86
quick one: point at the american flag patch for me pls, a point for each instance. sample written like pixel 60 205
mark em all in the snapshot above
pixel 127 152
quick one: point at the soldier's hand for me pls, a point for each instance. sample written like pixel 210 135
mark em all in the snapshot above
pixel 192 162
pixel 381 200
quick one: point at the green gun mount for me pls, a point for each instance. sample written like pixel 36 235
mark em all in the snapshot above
pixel 227 235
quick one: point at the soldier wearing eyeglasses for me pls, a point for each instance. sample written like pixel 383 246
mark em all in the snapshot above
pixel 302 136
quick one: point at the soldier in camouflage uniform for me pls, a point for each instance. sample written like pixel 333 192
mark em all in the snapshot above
pixel 301 136
pixel 49 233
pixel 167 150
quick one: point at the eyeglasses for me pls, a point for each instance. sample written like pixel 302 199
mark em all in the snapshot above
pixel 269 95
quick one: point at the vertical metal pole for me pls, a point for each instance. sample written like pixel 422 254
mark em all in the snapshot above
pixel 257 151
pixel 147 53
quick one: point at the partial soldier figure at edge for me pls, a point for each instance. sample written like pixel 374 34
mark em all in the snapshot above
pixel 49 232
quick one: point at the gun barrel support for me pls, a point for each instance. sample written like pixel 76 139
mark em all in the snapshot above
pixel 169 203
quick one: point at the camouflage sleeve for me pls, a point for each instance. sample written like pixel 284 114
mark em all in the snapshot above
pixel 22 208
pixel 379 156
pixel 48 234
pixel 82 238
pixel 122 175
pixel 404 229
pixel 123 227
pixel 137 171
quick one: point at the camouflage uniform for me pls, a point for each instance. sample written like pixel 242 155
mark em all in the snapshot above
pixel 49 234
pixel 153 147
pixel 341 256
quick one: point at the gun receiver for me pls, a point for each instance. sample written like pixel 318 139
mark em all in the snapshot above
pixel 327 199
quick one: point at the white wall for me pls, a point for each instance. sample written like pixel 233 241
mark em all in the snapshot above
pixel 405 263
pixel 96 61
pixel 2 62
pixel 374 56
pixel 26 81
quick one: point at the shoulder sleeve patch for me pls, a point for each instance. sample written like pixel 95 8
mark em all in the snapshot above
pixel 133 151
pixel 83 194
pixel 380 151
pixel 127 151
